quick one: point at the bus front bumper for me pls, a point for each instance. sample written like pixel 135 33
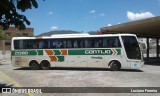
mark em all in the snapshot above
pixel 137 64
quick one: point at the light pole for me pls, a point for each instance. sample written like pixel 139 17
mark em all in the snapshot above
pixel 4 53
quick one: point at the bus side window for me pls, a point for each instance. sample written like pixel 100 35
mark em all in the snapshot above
pixel 105 44
pixel 96 45
pixel 49 43
pixel 25 44
pixel 116 43
pixel 75 44
pixel 60 44
pixel 57 44
pixel 45 44
pixel 52 43
pixel 64 44
pixel 100 43
pixel 113 42
pixel 69 44
pixel 91 43
pixel 86 43
pixel 16 44
pixel 31 44
pixel 81 44
pixel 40 44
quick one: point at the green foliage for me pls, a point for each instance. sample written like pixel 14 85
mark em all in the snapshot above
pixel 10 16
pixel 2 36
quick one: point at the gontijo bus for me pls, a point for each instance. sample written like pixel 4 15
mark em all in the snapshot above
pixel 114 51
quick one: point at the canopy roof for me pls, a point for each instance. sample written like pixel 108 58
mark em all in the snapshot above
pixel 146 27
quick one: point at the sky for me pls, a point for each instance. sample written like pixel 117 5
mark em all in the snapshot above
pixel 88 15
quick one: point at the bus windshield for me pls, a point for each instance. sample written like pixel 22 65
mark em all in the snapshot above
pixel 132 47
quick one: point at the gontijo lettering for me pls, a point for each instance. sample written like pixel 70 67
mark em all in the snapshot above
pixel 98 52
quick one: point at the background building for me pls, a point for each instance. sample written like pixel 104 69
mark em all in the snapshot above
pixel 146 29
pixel 14 32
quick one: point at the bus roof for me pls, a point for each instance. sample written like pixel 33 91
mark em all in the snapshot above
pixel 73 36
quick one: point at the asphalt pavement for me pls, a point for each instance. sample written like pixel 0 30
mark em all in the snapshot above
pixel 148 76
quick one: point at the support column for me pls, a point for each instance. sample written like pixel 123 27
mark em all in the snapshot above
pixel 157 43
pixel 147 48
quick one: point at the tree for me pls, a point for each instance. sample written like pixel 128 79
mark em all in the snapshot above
pixel 10 16
pixel 2 36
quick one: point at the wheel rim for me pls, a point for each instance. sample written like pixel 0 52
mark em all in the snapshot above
pixel 34 66
pixel 115 66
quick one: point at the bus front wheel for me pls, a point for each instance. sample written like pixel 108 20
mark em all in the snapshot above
pixel 34 65
pixel 115 66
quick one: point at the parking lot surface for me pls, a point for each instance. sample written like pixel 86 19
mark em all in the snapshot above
pixel 148 76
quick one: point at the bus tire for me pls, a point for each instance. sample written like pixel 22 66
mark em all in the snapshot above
pixel 34 65
pixel 45 65
pixel 114 65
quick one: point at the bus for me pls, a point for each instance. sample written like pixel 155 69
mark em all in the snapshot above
pixel 114 51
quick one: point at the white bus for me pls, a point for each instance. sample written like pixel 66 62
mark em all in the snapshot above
pixel 114 51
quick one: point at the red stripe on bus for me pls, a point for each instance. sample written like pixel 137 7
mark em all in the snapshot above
pixel 49 52
pixel 64 52
pixel 53 58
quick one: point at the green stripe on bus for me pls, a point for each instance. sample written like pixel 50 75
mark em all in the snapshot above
pixel 60 58
pixel 118 51
pixel 57 52
pixel 76 52
pixel 27 52
pixel 40 52
pixel 70 52
pixel 95 52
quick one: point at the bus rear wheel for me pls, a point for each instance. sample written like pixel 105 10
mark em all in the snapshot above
pixel 115 66
pixel 45 65
pixel 34 65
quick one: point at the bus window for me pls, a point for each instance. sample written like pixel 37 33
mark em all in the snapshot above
pixel 19 44
pixel 105 44
pixel 96 45
pixel 52 43
pixel 86 43
pixel 69 44
pixel 75 44
pixel 81 44
pixel 110 42
pixel 40 44
pixel 64 43
pixel 100 43
pixel 16 44
pixel 58 44
pixel 31 44
pixel 46 44
pixel 116 42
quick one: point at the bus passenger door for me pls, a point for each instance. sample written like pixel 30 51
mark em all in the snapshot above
pixel 132 50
